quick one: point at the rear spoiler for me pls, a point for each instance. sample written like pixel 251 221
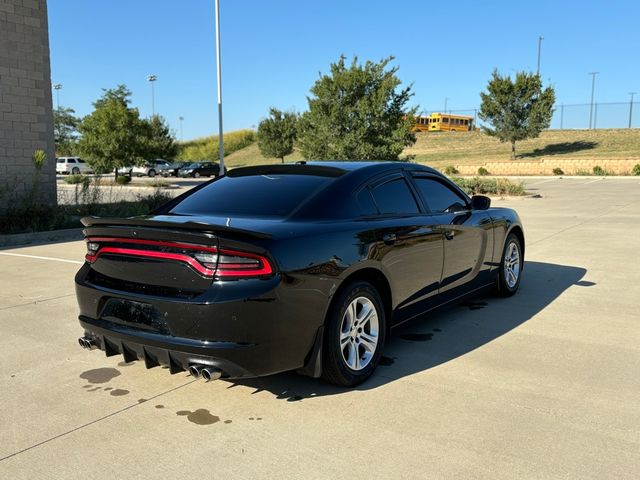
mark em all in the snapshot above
pixel 143 222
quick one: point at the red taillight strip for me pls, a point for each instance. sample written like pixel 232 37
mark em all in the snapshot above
pixel 223 270
pixel 141 241
pixel 179 257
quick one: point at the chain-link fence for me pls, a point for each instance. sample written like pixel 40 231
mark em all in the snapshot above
pixel 578 116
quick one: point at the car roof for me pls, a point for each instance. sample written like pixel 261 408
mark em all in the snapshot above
pixel 331 168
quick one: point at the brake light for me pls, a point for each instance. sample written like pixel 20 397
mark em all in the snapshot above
pixel 208 261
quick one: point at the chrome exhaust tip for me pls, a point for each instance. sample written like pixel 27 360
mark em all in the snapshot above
pixel 210 373
pixel 87 343
pixel 195 370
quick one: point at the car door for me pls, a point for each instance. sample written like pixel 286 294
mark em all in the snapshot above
pixel 408 244
pixel 468 236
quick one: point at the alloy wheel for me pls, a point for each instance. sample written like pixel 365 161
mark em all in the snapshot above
pixel 359 333
pixel 512 265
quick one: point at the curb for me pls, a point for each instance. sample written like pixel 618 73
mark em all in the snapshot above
pixel 34 238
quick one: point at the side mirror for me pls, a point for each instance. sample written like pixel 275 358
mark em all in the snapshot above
pixel 480 202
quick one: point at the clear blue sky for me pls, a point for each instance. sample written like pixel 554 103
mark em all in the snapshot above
pixel 273 50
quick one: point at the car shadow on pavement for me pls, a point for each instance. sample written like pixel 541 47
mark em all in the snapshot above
pixel 444 336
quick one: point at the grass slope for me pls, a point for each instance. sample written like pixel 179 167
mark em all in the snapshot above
pixel 442 149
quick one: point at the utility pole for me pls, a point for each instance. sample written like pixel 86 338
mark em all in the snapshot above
pixel 593 91
pixel 181 118
pixel 446 99
pixel 219 69
pixel 561 116
pixel 631 107
pixel 540 38
pixel 152 79
pixel 57 87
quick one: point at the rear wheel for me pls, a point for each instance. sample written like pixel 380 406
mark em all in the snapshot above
pixel 354 335
pixel 510 271
pixel 196 175
pixel 152 173
pixel 75 170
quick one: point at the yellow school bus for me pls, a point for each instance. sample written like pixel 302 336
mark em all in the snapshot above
pixel 443 122
pixel 421 124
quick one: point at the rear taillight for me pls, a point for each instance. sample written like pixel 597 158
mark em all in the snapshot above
pixel 242 264
pixel 208 261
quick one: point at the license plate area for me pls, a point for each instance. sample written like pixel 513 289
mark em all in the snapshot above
pixel 134 314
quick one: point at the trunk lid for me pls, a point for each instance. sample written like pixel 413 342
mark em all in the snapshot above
pixel 177 256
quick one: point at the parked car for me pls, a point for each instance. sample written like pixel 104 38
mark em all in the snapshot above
pixel 148 169
pixel 171 170
pixel 283 267
pixel 74 165
pixel 200 169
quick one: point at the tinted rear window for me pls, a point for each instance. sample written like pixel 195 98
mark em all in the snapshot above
pixel 274 195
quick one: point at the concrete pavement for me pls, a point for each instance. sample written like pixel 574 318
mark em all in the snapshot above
pixel 545 384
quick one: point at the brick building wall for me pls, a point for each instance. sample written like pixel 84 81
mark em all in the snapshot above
pixel 26 117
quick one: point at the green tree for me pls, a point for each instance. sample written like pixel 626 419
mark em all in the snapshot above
pixel 65 130
pixel 113 135
pixel 516 110
pixel 277 134
pixel 357 112
pixel 159 140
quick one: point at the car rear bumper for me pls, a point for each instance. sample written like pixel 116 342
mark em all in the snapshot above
pixel 246 328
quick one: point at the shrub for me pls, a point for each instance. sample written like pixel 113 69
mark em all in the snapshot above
pixel 558 171
pixel 450 170
pixel 157 183
pixel 598 170
pixel 636 169
pixel 123 179
pixel 76 178
pixel 581 172
pixel 483 171
pixel 492 186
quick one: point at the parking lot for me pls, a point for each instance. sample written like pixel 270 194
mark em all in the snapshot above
pixel 545 384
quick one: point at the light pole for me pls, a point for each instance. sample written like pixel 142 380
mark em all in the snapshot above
pixel 219 71
pixel 540 38
pixel 57 87
pixel 631 107
pixel 181 118
pixel 593 91
pixel 152 79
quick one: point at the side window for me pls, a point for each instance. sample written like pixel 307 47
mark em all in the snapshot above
pixel 71 160
pixel 438 196
pixel 80 161
pixel 365 203
pixel 394 197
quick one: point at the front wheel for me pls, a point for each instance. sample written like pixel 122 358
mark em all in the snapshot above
pixel 196 175
pixel 152 173
pixel 510 271
pixel 354 335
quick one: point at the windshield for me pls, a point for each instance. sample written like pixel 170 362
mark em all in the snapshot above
pixel 273 195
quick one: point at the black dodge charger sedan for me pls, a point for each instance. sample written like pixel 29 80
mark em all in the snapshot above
pixel 303 266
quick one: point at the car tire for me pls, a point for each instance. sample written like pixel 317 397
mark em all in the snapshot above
pixel 196 175
pixel 75 170
pixel 352 349
pixel 511 266
pixel 152 173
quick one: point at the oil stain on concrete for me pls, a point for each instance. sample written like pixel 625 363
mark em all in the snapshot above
pixel 200 417
pixel 100 375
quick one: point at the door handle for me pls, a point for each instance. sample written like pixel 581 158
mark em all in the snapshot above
pixel 449 234
pixel 389 238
